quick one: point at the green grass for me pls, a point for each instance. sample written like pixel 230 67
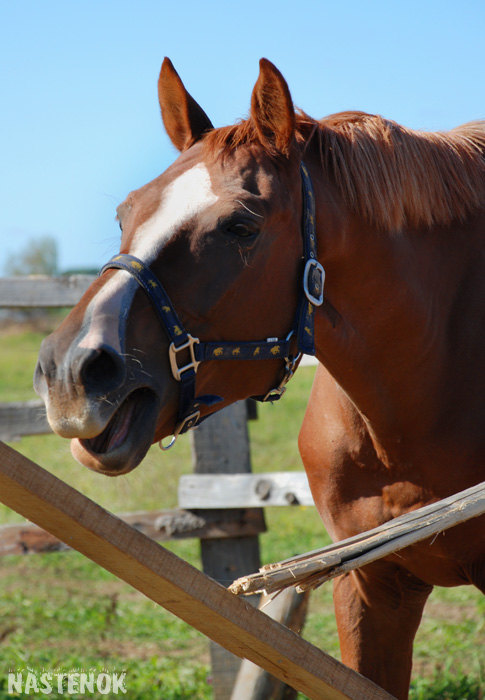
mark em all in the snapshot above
pixel 17 364
pixel 62 612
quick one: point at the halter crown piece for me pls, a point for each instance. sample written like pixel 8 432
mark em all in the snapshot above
pixel 311 295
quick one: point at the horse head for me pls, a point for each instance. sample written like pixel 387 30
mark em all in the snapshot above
pixel 217 237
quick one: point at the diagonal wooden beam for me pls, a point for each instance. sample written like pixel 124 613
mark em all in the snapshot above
pixel 171 582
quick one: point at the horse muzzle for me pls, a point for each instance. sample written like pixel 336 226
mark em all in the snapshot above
pixel 104 403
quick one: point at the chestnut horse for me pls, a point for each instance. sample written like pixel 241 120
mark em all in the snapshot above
pixel 218 245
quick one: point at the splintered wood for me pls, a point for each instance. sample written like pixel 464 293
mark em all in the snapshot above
pixel 310 570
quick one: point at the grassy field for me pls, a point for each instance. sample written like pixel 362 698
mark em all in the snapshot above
pixel 60 612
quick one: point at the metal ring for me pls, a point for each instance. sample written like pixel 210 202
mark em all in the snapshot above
pixel 170 444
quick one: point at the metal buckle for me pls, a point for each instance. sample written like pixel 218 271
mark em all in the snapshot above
pixel 278 391
pixel 310 266
pixel 187 423
pixel 290 364
pixel 172 353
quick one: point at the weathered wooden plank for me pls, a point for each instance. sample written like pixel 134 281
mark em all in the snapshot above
pixel 169 581
pixel 244 490
pixel 308 361
pixel 161 525
pixel 252 683
pixel 314 568
pixel 221 446
pixel 43 291
pixel 19 418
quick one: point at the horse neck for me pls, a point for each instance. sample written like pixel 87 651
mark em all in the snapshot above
pixel 384 330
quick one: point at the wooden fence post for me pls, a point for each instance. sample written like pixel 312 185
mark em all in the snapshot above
pixel 221 446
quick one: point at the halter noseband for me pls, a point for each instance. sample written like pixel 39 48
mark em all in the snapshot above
pixel 311 295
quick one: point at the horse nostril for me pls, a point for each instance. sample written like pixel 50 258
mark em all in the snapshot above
pixel 39 378
pixel 45 369
pixel 101 370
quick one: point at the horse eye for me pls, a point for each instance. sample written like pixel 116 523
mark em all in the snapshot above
pixel 241 230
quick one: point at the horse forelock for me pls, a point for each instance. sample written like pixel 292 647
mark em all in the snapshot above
pixel 390 175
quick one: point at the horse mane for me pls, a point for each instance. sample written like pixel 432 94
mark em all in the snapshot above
pixel 391 175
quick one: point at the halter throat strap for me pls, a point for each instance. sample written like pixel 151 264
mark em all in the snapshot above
pixel 194 351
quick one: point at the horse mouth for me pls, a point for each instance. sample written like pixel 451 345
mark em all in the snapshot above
pixel 125 440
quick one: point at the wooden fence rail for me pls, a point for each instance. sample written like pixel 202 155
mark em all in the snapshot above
pixel 160 525
pixel 42 291
pixel 244 490
pixel 307 571
pixel 22 418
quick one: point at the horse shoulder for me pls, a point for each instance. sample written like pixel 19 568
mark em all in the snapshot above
pixel 346 476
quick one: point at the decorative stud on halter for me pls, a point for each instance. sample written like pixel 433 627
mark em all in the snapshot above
pixel 311 295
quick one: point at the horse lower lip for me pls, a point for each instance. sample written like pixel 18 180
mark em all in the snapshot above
pixel 124 442
pixel 117 430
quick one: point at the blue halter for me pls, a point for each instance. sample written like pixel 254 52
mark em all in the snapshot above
pixel 181 341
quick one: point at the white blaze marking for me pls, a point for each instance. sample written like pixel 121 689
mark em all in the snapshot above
pixel 186 196
pixel 105 312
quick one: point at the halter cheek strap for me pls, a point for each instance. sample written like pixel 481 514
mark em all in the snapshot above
pixel 313 279
pixel 196 351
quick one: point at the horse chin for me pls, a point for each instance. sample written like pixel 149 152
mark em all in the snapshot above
pixel 125 440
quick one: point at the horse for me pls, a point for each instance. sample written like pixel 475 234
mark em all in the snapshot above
pixel 351 237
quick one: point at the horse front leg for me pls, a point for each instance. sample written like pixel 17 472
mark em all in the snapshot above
pixel 378 610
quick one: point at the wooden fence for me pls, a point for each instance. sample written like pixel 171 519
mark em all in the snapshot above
pixel 228 533
pixel 174 584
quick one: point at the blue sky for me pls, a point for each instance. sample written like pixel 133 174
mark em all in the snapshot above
pixel 80 124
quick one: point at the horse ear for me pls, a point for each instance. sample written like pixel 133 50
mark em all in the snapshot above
pixel 184 120
pixel 272 109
